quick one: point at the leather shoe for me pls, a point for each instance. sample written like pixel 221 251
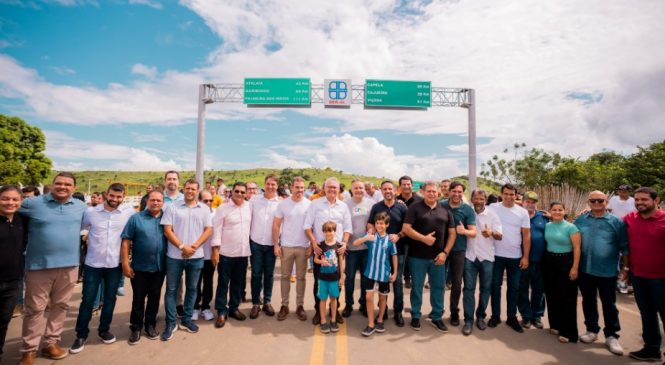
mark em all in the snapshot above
pixel 221 321
pixel 283 313
pixel 493 322
pixel 454 320
pixel 316 320
pixel 28 358
pixel 480 323
pixel 268 310
pixel 347 311
pixel 238 315
pixel 363 310
pixel 54 352
pixel 254 313
pixel 339 319
pixel 515 325
pixel 300 313
pixel 399 320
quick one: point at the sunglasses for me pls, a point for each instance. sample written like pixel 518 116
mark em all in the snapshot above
pixel 596 201
pixel 207 200
pixel 238 191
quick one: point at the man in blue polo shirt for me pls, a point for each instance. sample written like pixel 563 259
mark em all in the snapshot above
pixel 145 236
pixel 52 260
pixel 532 307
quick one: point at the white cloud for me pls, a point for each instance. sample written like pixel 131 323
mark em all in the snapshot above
pixel 147 71
pixel 150 3
pixel 96 155
pixel 63 70
pixel 364 156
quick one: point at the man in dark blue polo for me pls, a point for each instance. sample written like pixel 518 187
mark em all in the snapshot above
pixel 145 235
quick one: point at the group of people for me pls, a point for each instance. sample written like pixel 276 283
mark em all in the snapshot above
pixel 181 238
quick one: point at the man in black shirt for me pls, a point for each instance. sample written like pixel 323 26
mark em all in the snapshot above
pixel 12 245
pixel 431 228
pixel 407 197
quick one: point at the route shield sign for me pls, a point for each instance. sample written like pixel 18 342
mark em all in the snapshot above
pixel 398 94
pixel 337 92
pixel 277 91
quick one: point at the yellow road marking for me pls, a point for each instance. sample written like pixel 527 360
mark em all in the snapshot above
pixel 341 343
pixel 318 347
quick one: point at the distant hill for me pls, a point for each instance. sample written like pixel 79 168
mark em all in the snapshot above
pixel 89 181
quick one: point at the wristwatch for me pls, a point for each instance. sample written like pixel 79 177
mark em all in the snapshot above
pixel 182 245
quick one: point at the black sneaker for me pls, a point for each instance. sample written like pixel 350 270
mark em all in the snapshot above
pixel 538 323
pixel 494 321
pixel 78 345
pixel 515 324
pixel 525 324
pixel 347 311
pixel 439 325
pixel 151 333
pixel 480 323
pixel 189 326
pixel 454 320
pixel 415 324
pixel 645 355
pixel 334 327
pixel 107 337
pixel 380 328
pixel 179 311
pixel 368 331
pixel 325 328
pixel 134 338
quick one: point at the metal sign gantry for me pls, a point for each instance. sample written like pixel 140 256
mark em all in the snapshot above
pixel 441 97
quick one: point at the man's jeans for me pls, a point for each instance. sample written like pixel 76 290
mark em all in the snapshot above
pixel 355 261
pixel 531 279
pixel 592 287
pixel 263 271
pixel 398 286
pixel 473 270
pixel 437 277
pixel 231 273
pixel 174 269
pixel 512 268
pixel 455 262
pixel 650 298
pixel 8 293
pixel 92 277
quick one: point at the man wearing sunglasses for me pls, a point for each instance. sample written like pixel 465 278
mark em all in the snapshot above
pixel 603 237
pixel 230 247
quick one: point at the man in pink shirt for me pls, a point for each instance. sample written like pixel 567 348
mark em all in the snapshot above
pixel 646 263
pixel 230 248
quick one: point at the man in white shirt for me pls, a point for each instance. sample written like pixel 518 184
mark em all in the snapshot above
pixel 292 246
pixel 329 208
pixel 261 245
pixel 104 223
pixel 621 204
pixel 187 225
pixel 511 255
pixel 479 262
pixel 371 192
pixel 230 246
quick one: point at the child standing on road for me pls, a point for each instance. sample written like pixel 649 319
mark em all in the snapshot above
pixel 331 276
pixel 378 273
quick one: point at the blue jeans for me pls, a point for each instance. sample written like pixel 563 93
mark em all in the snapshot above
pixel 263 271
pixel 92 277
pixel 355 261
pixel 512 268
pixel 398 286
pixel 650 298
pixel 230 282
pixel 174 269
pixel 534 306
pixel 437 277
pixel 473 270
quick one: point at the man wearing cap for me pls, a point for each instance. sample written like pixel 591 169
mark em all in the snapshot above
pixel 603 237
pixel 532 307
pixel 622 203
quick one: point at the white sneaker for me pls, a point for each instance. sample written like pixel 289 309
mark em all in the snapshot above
pixel 613 344
pixel 121 291
pixel 207 315
pixel 588 337
pixel 195 315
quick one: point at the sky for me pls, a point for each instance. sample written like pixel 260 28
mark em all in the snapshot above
pixel 114 84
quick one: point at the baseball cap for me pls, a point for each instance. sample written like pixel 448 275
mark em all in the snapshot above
pixel 624 187
pixel 530 195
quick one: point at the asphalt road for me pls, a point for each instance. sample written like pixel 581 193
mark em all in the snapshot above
pixel 268 341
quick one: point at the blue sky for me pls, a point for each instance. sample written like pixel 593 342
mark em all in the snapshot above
pixel 113 84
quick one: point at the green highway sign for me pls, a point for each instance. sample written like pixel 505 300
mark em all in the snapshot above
pixel 398 94
pixel 277 91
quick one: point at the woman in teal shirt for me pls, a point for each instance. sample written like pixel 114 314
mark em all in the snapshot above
pixel 560 265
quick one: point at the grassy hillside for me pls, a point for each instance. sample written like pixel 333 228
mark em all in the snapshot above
pixel 137 180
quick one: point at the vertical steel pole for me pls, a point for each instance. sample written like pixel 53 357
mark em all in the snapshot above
pixel 200 136
pixel 473 182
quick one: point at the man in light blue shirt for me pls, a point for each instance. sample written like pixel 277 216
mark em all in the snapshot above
pixel 52 260
pixel 187 225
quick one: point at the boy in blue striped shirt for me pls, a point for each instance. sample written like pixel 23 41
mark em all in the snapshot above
pixel 379 272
